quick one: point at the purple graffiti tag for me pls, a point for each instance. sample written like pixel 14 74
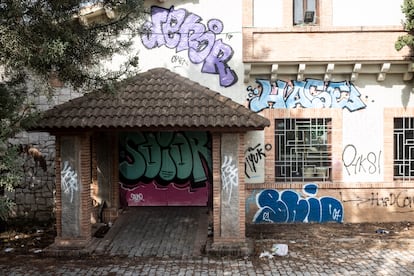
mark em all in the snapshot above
pixel 152 35
pixel 311 93
pixel 171 28
pixel 190 29
pixel 216 63
pixel 182 30
pixel 200 45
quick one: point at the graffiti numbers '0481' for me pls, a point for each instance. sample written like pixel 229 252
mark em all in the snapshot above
pixel 290 206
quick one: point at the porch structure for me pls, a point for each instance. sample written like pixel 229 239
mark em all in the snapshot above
pixel 161 109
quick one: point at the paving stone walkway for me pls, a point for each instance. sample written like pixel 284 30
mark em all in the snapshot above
pixel 167 241
pixel 343 262
pixel 156 232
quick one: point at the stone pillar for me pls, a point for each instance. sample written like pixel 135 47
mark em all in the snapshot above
pixel 229 196
pixel 73 176
pixel 229 169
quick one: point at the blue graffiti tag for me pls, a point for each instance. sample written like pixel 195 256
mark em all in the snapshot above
pixel 310 93
pixel 290 206
pixel 182 30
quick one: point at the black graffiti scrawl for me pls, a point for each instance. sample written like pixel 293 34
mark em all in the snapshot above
pixel 184 31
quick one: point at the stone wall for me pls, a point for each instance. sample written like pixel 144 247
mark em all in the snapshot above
pixel 34 196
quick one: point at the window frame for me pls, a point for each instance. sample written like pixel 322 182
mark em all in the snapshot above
pixel 309 161
pixel 301 7
pixel 401 134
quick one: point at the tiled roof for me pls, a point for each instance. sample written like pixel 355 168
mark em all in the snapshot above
pixel 158 99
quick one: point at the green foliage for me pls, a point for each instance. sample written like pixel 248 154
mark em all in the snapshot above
pixel 12 96
pixel 63 39
pixel 408 39
pixel 10 168
pixel 13 108
pixel 49 36
pixel 6 206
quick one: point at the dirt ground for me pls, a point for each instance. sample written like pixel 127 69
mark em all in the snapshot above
pixel 322 239
pixel 27 239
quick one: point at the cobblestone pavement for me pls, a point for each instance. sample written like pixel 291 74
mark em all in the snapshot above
pixel 156 241
pixel 339 262
pixel 155 231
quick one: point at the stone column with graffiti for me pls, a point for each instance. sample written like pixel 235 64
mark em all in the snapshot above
pixel 73 191
pixel 232 193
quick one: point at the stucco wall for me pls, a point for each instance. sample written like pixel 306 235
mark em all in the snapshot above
pixel 362 184
pixel 362 187
pixel 367 13
pixel 344 13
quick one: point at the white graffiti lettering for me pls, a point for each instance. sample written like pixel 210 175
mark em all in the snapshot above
pixel 137 197
pixel 230 178
pixel 336 214
pixel 266 217
pixel 69 179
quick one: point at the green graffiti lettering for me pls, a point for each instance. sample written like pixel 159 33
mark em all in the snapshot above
pixel 130 157
pixel 168 169
pixel 167 156
pixel 198 142
pixel 182 156
pixel 151 152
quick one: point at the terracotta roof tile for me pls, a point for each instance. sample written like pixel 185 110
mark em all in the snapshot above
pixel 157 98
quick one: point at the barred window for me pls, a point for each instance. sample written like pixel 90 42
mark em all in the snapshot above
pixel 303 149
pixel 403 148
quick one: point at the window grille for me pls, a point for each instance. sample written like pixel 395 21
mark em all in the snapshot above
pixel 403 148
pixel 303 150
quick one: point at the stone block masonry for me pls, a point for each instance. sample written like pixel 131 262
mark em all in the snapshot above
pixel 34 196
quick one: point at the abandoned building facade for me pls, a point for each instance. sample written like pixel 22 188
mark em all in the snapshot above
pixel 290 111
